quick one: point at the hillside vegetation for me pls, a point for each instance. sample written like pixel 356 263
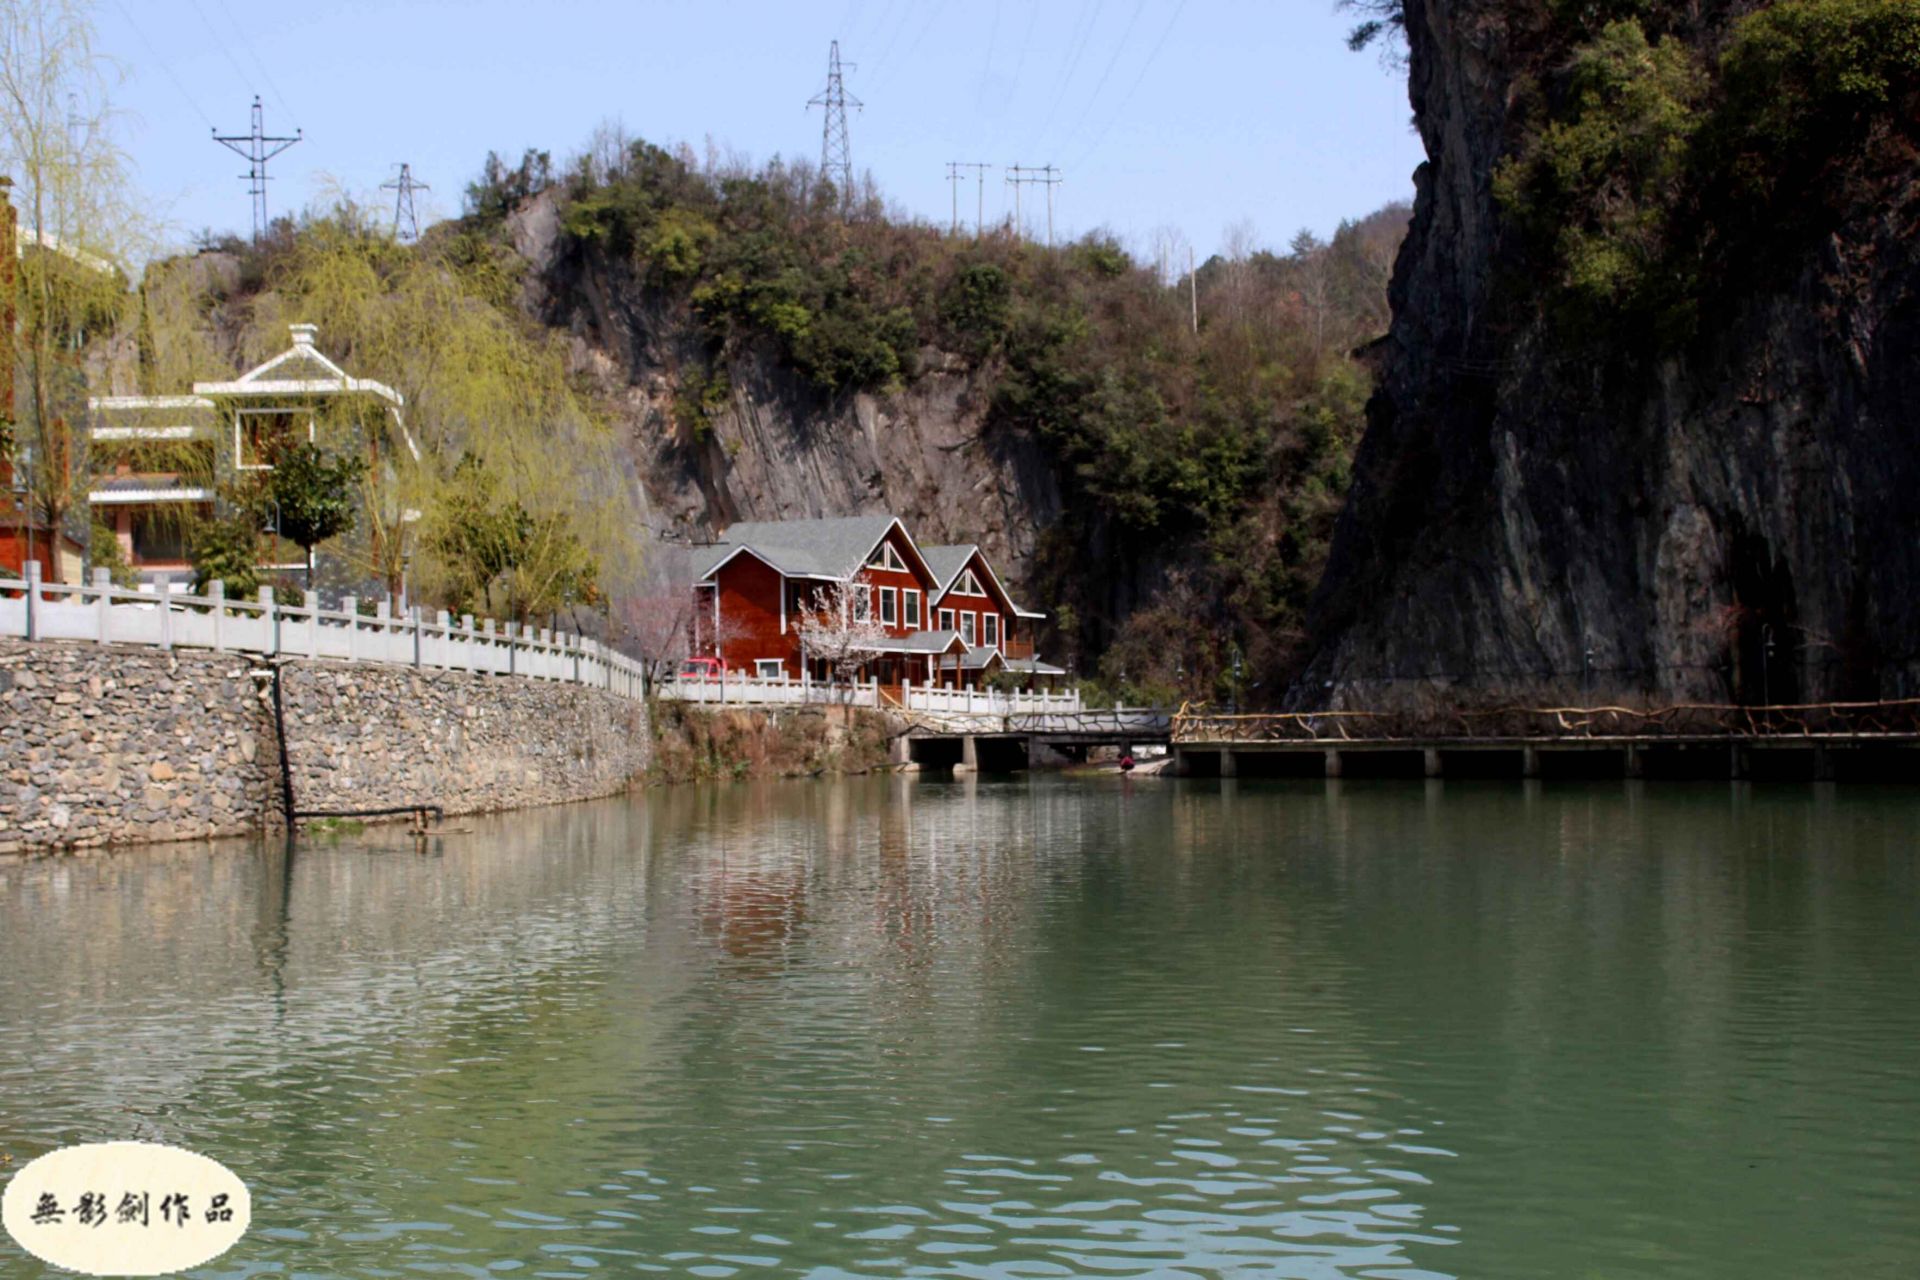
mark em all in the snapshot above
pixel 1205 465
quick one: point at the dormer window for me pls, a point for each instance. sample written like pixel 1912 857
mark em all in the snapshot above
pixel 888 559
pixel 968 585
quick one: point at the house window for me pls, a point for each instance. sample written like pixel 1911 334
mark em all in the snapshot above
pixel 888 559
pixel 259 434
pixel 946 619
pixel 911 599
pixel 968 585
pixel 966 628
pixel 862 602
pixel 769 668
pixel 889 606
pixel 990 628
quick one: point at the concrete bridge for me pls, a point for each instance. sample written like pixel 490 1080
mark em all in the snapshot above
pixel 1814 741
pixel 1001 743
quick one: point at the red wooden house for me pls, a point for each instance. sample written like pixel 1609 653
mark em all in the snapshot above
pixel 937 615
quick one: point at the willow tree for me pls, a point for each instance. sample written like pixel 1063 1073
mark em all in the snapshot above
pixel 77 227
pixel 491 415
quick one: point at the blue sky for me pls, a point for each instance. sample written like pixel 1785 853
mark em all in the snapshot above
pixel 1194 115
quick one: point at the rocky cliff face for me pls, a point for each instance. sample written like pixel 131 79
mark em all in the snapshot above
pixel 1733 519
pixel 776 448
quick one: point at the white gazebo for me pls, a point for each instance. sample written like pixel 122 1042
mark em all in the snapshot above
pixel 283 397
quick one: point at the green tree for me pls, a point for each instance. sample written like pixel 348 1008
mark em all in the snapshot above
pixel 311 495
pixel 1600 181
pixel 77 224
pixel 488 543
pixel 226 549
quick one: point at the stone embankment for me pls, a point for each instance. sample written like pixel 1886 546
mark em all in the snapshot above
pixel 116 744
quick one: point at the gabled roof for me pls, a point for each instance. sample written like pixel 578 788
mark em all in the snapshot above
pixel 834 547
pixel 949 561
pixel 300 370
pixel 932 642
pixel 946 563
pixel 980 656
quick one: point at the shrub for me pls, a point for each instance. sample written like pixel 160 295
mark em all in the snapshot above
pixel 1599 181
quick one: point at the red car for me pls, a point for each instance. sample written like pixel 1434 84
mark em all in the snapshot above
pixel 702 669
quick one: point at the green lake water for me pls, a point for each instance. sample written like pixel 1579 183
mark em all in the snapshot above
pixel 1025 1027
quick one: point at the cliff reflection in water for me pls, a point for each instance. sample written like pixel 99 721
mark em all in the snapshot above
pixel 1037 1027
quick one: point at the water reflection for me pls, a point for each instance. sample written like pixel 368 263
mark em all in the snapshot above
pixel 903 1026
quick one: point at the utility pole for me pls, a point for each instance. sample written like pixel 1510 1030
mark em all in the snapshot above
pixel 406 224
pixel 1019 176
pixel 979 190
pixel 1052 179
pixel 257 148
pixel 836 153
pixel 1193 290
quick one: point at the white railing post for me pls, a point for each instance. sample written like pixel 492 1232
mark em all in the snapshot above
pixel 103 605
pixel 217 592
pixel 270 610
pixel 312 601
pixel 443 621
pixel 33 599
pixel 165 584
pixel 513 656
pixel 467 645
pixel 351 605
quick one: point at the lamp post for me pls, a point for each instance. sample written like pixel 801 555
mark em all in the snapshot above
pixel 23 489
pixel 1766 665
pixel 273 527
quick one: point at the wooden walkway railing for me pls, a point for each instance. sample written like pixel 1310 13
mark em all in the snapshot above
pixel 1899 718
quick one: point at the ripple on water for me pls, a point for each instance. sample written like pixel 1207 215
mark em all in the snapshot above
pixel 1033 1030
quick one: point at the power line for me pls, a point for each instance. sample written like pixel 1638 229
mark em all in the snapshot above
pixel 254 57
pixel 878 74
pixel 1118 49
pixel 1078 37
pixel 1137 82
pixel 406 223
pixel 258 148
pixel 874 67
pixel 836 152
pixel 163 65
pixel 220 44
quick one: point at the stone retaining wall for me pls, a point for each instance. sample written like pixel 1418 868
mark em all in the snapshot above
pixel 108 744
pixel 363 736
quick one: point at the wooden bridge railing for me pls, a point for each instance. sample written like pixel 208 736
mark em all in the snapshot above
pixel 1899 718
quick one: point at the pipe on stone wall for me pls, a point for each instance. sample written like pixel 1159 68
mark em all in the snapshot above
pixel 290 814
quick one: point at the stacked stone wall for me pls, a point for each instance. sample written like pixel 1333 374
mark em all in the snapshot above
pixel 110 744
pixel 364 736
